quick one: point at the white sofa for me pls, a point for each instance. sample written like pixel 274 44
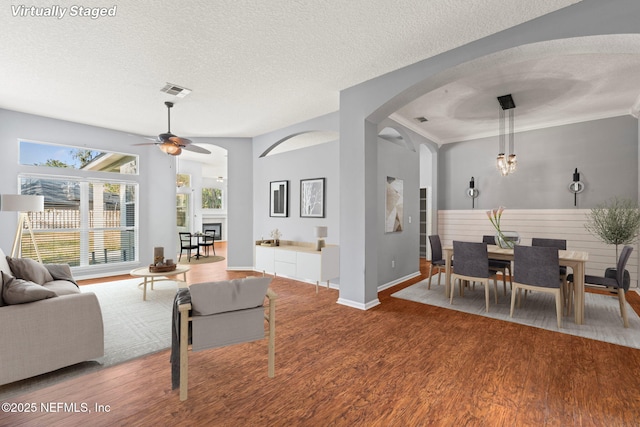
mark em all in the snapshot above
pixel 48 334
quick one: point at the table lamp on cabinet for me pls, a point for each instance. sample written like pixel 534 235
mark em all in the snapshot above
pixel 321 233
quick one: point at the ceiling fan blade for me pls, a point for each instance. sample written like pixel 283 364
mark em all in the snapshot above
pixel 196 149
pixel 146 143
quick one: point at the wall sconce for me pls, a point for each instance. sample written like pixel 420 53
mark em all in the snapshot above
pixel 472 192
pixel 576 186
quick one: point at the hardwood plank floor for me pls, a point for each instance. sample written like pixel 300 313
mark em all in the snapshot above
pixel 399 364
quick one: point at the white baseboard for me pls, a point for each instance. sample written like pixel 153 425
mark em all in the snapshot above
pixel 241 269
pixel 398 281
pixel 358 305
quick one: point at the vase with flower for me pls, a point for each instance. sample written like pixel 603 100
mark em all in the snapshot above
pixel 275 235
pixel 504 239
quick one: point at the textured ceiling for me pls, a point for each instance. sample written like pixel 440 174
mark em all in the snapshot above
pixel 253 66
pixel 554 89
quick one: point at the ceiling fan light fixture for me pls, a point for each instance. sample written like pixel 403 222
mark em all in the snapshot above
pixel 170 148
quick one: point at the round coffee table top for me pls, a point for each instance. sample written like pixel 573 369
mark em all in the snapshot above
pixel 144 272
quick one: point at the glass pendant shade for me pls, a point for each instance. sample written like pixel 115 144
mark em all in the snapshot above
pixel 512 163
pixel 170 148
pixel 506 164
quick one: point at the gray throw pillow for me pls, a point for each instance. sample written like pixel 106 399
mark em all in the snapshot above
pixel 30 270
pixel 19 291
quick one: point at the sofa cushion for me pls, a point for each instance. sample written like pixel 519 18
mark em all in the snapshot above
pixel 30 270
pixel 230 295
pixel 20 291
pixel 62 287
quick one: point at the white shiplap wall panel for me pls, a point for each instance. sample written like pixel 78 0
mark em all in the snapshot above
pixel 471 225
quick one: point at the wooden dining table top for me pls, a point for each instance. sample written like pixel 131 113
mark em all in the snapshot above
pixel 563 254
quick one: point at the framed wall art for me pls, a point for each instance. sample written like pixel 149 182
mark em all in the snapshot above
pixel 394 205
pixel 312 198
pixel 279 198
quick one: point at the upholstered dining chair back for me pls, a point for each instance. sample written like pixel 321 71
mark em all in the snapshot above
pixel 499 265
pixel 536 265
pixel 471 259
pixel 622 263
pixel 536 269
pixel 550 243
pixel 436 248
pixel 489 240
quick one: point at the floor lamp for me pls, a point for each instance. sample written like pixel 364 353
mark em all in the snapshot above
pixel 22 204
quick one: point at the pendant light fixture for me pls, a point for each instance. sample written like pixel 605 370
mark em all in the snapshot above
pixel 506 165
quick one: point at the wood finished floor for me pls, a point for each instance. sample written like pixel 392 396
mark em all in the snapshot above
pixel 399 364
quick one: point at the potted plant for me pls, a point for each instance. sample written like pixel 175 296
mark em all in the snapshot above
pixel 616 222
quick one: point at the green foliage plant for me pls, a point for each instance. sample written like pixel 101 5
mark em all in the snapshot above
pixel 616 222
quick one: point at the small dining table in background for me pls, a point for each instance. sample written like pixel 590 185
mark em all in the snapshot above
pixel 576 260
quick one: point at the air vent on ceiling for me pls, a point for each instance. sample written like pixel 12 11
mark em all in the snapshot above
pixel 421 119
pixel 176 90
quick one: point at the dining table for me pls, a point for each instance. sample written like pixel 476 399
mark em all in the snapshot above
pixel 575 260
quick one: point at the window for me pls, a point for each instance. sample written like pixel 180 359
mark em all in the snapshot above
pixel 211 198
pixel 182 212
pixel 85 221
pixel 67 157
pixel 183 180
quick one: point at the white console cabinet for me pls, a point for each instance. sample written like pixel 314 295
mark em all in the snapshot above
pixel 300 261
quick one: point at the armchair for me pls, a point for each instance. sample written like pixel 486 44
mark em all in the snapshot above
pixel 225 313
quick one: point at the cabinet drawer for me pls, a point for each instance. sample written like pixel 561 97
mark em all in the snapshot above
pixel 285 268
pixel 286 256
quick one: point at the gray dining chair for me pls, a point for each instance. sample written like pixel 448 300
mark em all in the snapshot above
pixel 472 264
pixel 536 268
pixel 437 262
pixel 499 265
pixel 614 284
pixel 560 244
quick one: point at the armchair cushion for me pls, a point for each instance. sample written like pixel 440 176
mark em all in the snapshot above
pixel 30 270
pixel 230 295
pixel 20 291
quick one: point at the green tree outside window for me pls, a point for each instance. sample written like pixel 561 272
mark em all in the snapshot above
pixel 211 198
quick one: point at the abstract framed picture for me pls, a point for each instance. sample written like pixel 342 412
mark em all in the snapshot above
pixel 394 205
pixel 312 198
pixel 279 198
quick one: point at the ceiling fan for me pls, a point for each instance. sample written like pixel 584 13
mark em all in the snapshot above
pixel 172 144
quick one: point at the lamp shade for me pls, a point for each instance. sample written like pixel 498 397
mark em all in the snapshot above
pixel 22 203
pixel 321 231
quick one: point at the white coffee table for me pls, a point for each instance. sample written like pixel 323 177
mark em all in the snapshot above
pixel 158 277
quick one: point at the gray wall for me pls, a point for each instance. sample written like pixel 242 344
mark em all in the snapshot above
pixel 400 247
pixel 604 151
pixel 318 161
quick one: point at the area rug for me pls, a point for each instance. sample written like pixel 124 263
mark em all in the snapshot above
pixel 132 328
pixel 201 260
pixel 602 312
